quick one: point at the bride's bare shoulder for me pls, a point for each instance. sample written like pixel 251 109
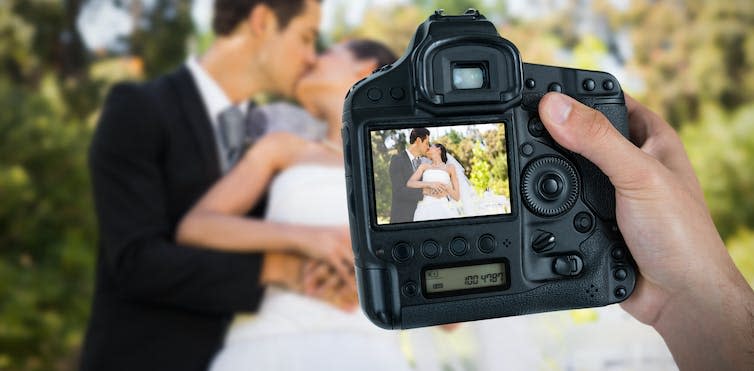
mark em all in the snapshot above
pixel 278 148
pixel 281 138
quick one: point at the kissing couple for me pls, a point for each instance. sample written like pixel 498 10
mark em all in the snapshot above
pixel 427 182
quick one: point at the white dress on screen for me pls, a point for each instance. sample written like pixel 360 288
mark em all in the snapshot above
pixel 295 332
pixel 432 208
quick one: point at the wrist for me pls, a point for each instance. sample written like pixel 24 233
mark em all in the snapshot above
pixel 711 326
pixel 280 269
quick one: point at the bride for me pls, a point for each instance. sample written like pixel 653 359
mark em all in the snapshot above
pixel 441 179
pixel 307 198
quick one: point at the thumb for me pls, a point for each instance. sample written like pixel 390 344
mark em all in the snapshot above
pixel 588 132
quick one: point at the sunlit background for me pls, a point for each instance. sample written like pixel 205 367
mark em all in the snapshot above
pixel 693 62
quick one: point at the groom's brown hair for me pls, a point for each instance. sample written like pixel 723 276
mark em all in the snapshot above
pixel 418 133
pixel 230 13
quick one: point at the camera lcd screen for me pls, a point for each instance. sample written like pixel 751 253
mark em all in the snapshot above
pixel 465 278
pixel 443 172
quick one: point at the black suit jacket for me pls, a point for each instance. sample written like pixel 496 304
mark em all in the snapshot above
pixel 158 305
pixel 404 199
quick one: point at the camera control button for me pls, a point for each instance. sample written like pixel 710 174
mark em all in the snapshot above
pixel 542 241
pixel 569 265
pixel 620 274
pixel 608 85
pixel 555 87
pixel 374 94
pixel 536 127
pixel 402 252
pixel 486 244
pixel 620 292
pixel 431 249
pixel 549 186
pixel 531 84
pixel 618 253
pixel 459 246
pixel 527 149
pixel 583 222
pixel 589 85
pixel 397 93
pixel 410 289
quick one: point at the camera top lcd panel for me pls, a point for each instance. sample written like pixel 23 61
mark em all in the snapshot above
pixel 461 206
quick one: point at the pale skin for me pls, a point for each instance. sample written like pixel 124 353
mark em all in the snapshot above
pixel 443 189
pixel 218 221
pixel 689 289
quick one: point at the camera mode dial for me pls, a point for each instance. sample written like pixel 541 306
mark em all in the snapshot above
pixel 550 186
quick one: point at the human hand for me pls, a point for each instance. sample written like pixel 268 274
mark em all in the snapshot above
pixel 310 277
pixel 328 244
pixel 685 269
pixel 321 281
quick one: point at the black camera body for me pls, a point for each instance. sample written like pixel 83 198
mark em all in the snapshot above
pixel 555 246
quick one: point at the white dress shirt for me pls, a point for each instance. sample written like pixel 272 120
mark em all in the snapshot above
pixel 214 98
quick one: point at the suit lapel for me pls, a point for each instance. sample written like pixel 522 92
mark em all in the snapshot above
pixel 197 120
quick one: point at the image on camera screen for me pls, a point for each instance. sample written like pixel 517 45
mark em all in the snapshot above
pixel 442 172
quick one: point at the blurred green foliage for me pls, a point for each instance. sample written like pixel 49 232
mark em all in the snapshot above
pixel 50 93
pixel 692 61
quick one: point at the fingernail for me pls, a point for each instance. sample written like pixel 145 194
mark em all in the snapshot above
pixel 558 108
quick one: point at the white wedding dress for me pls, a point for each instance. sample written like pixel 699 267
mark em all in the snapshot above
pixel 430 207
pixel 294 332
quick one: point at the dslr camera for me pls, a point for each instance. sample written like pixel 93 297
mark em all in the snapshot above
pixel 498 220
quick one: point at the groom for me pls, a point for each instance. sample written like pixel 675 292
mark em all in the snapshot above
pixel 402 166
pixel 159 146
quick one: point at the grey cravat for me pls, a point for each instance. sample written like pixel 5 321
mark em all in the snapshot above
pixel 256 124
pixel 416 162
pixel 232 136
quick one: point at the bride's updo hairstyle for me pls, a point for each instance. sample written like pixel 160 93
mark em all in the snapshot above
pixel 370 49
pixel 443 152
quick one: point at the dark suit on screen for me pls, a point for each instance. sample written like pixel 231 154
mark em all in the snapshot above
pixel 158 305
pixel 404 199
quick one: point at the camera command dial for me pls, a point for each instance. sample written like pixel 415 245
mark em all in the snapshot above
pixel 549 186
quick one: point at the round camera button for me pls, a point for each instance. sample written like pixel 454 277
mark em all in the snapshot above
pixel 531 84
pixel 620 292
pixel 618 253
pixel 410 289
pixel 402 252
pixel 620 274
pixel 550 186
pixel 431 249
pixel 374 94
pixel 527 149
pixel 608 85
pixel 397 93
pixel 589 85
pixel 555 87
pixel 583 222
pixel 486 244
pixel 459 246
pixel 536 127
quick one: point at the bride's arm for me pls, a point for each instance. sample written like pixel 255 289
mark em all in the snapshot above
pixel 414 181
pixel 217 221
pixel 455 192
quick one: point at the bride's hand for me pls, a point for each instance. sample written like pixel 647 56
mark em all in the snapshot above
pixel 331 245
pixel 320 281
